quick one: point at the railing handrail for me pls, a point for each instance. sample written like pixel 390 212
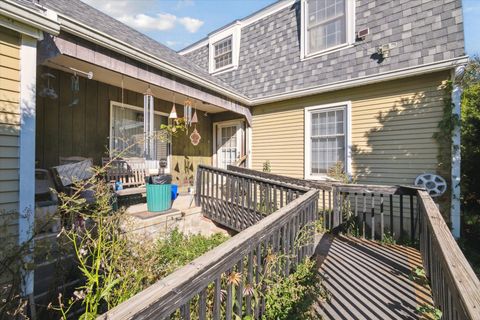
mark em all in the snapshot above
pixel 460 274
pixel 254 177
pixel 283 179
pixel 167 295
pixel 330 185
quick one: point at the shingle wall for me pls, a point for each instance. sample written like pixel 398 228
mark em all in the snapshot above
pixel 425 31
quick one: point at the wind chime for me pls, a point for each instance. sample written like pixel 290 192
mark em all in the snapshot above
pixel 148 117
pixel 189 118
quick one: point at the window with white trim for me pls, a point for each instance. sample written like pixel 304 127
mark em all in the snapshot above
pixel 224 49
pixel 223 53
pixel 326 139
pixel 327 24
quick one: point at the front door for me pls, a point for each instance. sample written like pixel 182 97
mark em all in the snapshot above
pixel 229 144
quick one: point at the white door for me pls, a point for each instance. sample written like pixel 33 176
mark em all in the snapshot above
pixel 229 144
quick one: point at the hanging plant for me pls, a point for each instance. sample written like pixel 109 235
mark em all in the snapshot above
pixel 176 127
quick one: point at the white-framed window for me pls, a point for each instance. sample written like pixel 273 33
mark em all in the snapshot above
pixel 224 48
pixel 222 53
pixel 327 139
pixel 327 25
pixel 127 134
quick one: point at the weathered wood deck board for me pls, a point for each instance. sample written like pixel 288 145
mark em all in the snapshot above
pixel 366 280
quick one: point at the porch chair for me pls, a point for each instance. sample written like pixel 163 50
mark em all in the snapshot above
pixel 65 176
pixel 130 173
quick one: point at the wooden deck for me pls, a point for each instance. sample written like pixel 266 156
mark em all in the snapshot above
pixel 366 280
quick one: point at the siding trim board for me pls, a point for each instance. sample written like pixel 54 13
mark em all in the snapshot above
pixel 26 223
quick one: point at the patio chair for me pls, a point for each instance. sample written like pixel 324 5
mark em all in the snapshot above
pixel 130 173
pixel 65 176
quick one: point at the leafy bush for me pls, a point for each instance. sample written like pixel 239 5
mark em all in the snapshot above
pixel 116 265
pixel 179 249
pixel 292 297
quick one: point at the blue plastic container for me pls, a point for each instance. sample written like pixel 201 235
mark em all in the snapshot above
pixel 159 197
pixel 174 191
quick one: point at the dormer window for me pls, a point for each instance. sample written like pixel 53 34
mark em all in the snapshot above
pixel 327 25
pixel 224 49
pixel 223 53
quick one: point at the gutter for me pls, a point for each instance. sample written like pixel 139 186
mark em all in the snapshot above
pixel 349 83
pixel 45 21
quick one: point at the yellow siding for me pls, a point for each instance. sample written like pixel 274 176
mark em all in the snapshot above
pixel 392 130
pixel 9 118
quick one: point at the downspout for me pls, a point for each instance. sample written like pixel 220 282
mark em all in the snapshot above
pixel 456 154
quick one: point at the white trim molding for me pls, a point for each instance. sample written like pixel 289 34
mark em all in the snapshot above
pixel 26 218
pixel 24 19
pixel 349 29
pixel 233 31
pixel 347 107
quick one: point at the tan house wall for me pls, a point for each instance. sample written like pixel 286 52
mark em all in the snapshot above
pixel 9 118
pixel 9 138
pixel 392 130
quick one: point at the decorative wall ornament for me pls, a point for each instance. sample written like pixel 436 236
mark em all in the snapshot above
pixel 195 137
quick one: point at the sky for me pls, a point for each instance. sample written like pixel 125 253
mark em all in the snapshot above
pixel 179 23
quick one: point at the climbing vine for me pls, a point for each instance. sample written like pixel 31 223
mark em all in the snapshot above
pixel 444 140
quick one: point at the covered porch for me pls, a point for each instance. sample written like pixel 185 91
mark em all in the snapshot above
pixel 92 104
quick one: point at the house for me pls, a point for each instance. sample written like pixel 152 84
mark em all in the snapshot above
pixel 303 84
pixel 358 82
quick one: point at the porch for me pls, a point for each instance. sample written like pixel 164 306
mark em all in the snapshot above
pixel 366 276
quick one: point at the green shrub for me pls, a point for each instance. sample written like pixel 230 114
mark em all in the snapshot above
pixel 179 249
pixel 292 297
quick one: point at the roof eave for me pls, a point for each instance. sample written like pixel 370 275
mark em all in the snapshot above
pixel 46 21
pixel 350 83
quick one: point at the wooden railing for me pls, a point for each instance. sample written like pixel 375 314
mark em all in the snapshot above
pixel 371 211
pixel 411 216
pixel 213 286
pixel 238 200
pixel 271 213
pixel 455 287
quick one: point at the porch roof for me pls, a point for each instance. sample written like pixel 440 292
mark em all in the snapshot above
pixel 82 20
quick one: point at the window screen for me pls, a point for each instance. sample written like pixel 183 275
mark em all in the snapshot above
pixel 223 53
pixel 326 24
pixel 327 139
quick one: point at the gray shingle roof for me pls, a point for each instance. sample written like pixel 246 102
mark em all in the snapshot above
pixel 425 31
pixel 81 12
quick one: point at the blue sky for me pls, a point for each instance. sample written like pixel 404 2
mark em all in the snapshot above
pixel 178 23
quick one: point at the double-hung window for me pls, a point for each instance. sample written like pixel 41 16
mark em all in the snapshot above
pixel 327 24
pixel 326 143
pixel 223 54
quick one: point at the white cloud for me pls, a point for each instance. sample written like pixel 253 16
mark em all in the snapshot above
pixel 191 24
pixel 183 4
pixel 161 22
pixel 136 13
